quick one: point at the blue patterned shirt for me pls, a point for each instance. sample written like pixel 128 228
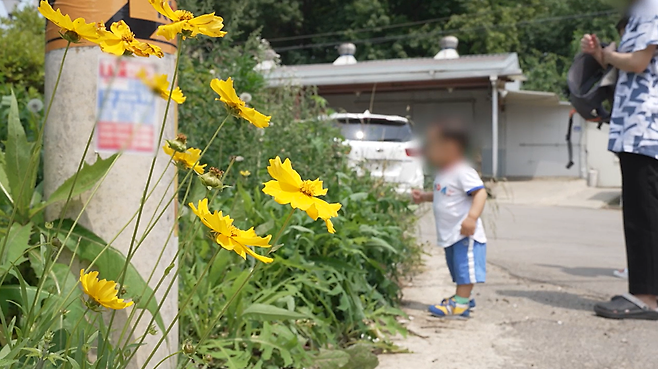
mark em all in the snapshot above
pixel 634 121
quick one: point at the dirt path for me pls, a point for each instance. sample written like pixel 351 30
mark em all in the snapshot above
pixel 519 323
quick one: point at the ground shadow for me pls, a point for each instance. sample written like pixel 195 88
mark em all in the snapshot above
pixel 414 305
pixel 607 196
pixel 564 300
pixel 583 271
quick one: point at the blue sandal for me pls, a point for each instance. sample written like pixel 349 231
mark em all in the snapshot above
pixel 450 308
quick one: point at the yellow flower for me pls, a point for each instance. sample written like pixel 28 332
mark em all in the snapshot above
pixel 245 173
pixel 121 40
pixel 238 107
pixel 160 86
pixel 230 237
pixel 184 22
pixel 70 30
pixel 103 292
pixel 188 159
pixel 289 188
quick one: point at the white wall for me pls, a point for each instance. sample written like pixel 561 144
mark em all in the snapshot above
pixel 536 145
pixel 598 157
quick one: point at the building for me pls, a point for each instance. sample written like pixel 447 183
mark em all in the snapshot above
pixel 520 134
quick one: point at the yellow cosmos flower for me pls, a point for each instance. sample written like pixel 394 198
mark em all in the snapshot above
pixel 184 22
pixel 70 30
pixel 103 292
pixel 289 188
pixel 245 173
pixel 160 86
pixel 121 40
pixel 236 106
pixel 230 237
pixel 188 159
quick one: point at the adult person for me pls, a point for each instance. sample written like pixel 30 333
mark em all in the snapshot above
pixel 634 137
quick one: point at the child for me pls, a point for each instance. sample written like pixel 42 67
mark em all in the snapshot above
pixel 459 197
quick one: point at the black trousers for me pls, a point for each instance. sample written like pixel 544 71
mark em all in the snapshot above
pixel 640 201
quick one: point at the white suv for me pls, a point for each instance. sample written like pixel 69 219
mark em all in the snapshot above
pixel 384 145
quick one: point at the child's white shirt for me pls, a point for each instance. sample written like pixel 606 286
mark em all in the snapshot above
pixel 452 202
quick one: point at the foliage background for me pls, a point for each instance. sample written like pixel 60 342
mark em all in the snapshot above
pixel 543 32
pixel 325 296
pixel 327 300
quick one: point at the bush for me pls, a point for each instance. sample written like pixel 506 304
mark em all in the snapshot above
pixel 22 52
pixel 323 292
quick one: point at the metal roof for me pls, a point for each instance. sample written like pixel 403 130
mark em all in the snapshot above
pixel 397 70
pixel 537 98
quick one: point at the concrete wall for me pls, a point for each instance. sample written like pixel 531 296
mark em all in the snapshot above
pixel 536 145
pixel 598 158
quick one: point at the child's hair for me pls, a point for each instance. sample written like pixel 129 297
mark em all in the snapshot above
pixel 456 131
pixel 621 25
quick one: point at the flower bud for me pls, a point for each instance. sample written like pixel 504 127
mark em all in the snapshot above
pixel 179 144
pixel 212 178
pixel 56 243
pixel 188 348
pixel 152 330
pixel 48 336
pixel 70 36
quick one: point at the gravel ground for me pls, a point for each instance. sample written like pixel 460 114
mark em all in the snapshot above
pixel 535 311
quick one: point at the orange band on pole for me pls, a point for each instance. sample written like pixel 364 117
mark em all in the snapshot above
pixel 140 16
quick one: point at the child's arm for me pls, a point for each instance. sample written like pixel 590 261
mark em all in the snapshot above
pixel 470 223
pixel 419 196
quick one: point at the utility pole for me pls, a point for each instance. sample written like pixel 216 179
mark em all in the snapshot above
pixel 102 92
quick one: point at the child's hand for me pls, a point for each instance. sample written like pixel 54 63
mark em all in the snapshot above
pixel 417 196
pixel 468 226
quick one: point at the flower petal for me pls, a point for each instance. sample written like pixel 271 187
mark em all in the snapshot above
pixel 162 7
pixel 226 91
pixel 260 120
pixel 288 178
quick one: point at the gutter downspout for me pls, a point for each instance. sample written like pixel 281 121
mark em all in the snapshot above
pixel 494 126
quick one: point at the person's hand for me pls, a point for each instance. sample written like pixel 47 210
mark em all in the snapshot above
pixel 590 44
pixel 468 226
pixel 607 51
pixel 417 196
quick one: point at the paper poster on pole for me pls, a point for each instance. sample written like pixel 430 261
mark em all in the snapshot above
pixel 127 109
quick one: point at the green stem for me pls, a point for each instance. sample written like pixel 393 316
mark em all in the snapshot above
pixel 131 248
pixel 49 264
pixel 180 251
pixel 37 150
pixel 210 327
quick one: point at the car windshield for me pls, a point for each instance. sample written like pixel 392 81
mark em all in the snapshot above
pixel 375 130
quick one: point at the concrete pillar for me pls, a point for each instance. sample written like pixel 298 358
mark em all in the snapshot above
pixel 494 126
pixel 71 120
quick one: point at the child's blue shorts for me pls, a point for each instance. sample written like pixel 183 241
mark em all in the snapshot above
pixel 467 261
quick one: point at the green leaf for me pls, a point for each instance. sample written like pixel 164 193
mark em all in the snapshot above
pixel 301 229
pixel 88 176
pixel 361 357
pixel 331 359
pixel 65 281
pixel 17 243
pixel 21 176
pixel 109 265
pixel 21 295
pixel 376 241
pixel 271 312
pixel 4 180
